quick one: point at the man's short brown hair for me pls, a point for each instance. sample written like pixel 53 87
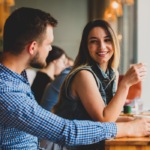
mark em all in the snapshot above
pixel 24 26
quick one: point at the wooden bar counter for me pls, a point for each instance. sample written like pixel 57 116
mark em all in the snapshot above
pixel 142 143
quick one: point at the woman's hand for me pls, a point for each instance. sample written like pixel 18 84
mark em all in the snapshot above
pixel 135 74
pixel 128 102
pixel 136 128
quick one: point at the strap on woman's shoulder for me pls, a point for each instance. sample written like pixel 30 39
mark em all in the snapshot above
pixel 76 71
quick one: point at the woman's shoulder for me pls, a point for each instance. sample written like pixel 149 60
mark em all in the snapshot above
pixel 84 77
pixel 80 74
pixel 83 68
pixel 84 73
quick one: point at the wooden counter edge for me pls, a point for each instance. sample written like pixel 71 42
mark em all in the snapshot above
pixel 128 141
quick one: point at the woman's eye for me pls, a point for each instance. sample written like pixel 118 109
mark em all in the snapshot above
pixel 94 41
pixel 107 40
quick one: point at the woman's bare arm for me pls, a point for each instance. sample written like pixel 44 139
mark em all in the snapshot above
pixel 84 86
pixel 121 118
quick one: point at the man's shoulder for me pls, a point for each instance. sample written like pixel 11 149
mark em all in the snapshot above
pixel 3 79
pixel 9 83
pixel 6 85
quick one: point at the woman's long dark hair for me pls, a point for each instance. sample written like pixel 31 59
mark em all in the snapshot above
pixel 84 59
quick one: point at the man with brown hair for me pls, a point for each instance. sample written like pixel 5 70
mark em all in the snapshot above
pixel 28 34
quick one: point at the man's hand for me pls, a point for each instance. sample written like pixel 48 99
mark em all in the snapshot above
pixel 136 128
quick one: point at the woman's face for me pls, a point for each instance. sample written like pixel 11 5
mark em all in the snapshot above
pixel 60 64
pixel 100 45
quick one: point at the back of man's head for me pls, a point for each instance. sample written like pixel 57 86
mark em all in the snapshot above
pixel 24 26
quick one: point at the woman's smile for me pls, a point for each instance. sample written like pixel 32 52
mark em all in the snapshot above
pixel 102 53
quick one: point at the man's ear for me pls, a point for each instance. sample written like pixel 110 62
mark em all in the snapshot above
pixel 32 47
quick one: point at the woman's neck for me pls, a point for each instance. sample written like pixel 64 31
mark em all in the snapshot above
pixel 49 70
pixel 104 67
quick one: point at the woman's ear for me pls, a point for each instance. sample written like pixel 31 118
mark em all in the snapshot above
pixel 32 47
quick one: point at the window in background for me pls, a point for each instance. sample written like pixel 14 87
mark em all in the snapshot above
pixel 127 34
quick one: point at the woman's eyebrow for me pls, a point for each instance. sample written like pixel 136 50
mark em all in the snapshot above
pixel 92 38
pixel 96 37
pixel 107 36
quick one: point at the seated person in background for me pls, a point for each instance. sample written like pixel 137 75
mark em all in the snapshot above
pixel 51 93
pixel 55 64
pixel 70 62
pixel 90 92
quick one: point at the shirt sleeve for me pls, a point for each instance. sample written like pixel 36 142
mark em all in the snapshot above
pixel 18 110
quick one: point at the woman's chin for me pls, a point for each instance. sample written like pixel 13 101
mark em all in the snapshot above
pixel 103 62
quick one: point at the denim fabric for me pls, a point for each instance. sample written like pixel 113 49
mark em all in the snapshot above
pixel 50 96
pixel 39 84
pixel 73 109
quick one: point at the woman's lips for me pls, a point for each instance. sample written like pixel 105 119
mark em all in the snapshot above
pixel 102 54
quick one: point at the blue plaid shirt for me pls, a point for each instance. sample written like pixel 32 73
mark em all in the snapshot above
pixel 22 120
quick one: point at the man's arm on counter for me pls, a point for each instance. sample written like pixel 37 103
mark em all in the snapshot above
pixel 19 111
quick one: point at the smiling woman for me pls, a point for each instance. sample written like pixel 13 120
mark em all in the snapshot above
pixel 90 92
pixel 100 46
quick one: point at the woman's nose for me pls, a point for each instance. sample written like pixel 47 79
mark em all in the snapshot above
pixel 102 45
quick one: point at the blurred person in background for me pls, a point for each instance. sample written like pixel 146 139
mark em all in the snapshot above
pixel 51 93
pixel 90 91
pixel 56 62
pixel 70 61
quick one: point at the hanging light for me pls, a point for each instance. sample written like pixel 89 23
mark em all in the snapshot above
pixel 115 4
pixel 1 1
pixel 109 15
pixel 4 13
pixel 119 11
pixel 115 9
pixel 10 2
